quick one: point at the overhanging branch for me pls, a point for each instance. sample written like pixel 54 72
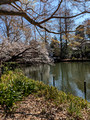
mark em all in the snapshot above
pixel 7 1
pixel 52 13
pixel 71 16
pixel 5 12
pixel 32 21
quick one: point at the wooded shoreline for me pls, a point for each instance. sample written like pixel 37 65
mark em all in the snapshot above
pixel 71 60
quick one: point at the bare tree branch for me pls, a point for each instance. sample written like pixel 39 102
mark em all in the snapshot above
pixel 71 16
pixel 24 14
pixel 7 1
pixel 52 13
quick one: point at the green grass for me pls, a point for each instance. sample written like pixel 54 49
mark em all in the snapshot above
pixel 14 86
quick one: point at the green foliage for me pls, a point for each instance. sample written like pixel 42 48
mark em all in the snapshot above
pixel 9 66
pixel 76 104
pixel 73 58
pixel 77 101
pixel 14 86
pixel 51 93
pixel 8 97
pixel 74 109
pixel 55 46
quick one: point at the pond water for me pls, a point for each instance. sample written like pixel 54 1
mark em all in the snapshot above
pixel 68 77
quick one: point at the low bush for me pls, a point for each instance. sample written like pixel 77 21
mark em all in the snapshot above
pixel 13 87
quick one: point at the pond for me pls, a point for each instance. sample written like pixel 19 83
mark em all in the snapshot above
pixel 68 77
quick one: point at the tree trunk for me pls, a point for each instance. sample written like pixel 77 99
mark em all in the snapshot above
pixel 60 41
pixel 0 69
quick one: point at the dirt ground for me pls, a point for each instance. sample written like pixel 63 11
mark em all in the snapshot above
pixel 33 108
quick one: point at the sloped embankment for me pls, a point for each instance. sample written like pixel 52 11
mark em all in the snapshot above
pixel 38 101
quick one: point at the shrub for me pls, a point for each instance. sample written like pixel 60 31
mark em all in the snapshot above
pixel 13 86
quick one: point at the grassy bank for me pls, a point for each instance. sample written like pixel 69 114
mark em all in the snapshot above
pixel 14 87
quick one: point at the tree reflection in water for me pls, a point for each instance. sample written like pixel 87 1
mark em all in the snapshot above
pixel 68 77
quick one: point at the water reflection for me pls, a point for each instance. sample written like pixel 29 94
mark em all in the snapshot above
pixel 68 77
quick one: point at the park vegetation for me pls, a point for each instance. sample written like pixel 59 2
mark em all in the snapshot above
pixel 40 31
pixel 15 86
pixel 23 23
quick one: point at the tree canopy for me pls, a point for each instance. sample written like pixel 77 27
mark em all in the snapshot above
pixel 35 15
pixel 22 20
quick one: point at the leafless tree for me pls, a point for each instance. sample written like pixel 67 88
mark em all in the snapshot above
pixel 25 10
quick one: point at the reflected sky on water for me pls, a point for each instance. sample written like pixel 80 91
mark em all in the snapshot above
pixel 68 77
